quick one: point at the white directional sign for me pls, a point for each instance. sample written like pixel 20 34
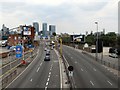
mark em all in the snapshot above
pixel 71 73
pixel 86 45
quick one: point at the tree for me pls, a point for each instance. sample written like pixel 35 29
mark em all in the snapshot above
pixel 54 34
pixel 90 39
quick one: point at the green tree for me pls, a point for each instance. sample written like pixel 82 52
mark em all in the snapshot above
pixel 54 34
pixel 90 39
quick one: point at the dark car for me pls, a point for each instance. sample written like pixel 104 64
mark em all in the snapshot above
pixel 47 58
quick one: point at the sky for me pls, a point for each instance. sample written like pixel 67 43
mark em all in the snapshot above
pixel 69 16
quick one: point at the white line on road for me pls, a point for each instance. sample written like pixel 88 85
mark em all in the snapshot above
pixel 110 71
pixel 94 69
pixel 47 84
pixel 23 71
pixel 38 69
pixel 49 76
pixel 109 83
pixel 75 62
pixel 49 73
pixel 31 80
pixel 91 83
pixel 48 79
pixel 46 88
pixel 81 69
pixel 40 64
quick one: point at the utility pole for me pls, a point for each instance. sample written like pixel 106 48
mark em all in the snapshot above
pixel 61 46
pixel 97 41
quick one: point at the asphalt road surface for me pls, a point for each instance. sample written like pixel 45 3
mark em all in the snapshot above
pixel 40 73
pixel 87 72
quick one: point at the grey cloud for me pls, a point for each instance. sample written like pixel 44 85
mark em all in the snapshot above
pixel 93 6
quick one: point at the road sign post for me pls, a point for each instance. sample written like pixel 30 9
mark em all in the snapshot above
pixel 70 68
pixel 19 51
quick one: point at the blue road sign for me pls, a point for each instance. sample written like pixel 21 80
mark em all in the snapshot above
pixel 18 51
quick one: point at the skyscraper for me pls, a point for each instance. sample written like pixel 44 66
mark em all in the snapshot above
pixel 36 26
pixel 44 29
pixel 52 29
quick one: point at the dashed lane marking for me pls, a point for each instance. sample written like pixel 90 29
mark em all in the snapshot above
pixel 109 83
pixel 92 83
pixel 38 69
pixel 81 69
pixel 48 79
pixel 94 69
pixel 46 88
pixel 49 73
pixel 31 80
pixel 47 84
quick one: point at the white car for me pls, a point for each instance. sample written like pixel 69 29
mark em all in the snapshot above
pixel 13 48
pixel 4 42
pixel 114 55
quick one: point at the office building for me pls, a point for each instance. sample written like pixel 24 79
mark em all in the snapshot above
pixel 44 29
pixel 36 26
pixel 52 29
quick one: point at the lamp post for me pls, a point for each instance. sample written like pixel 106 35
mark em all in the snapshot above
pixel 73 40
pixel 97 41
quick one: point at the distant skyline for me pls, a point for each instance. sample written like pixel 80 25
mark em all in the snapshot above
pixel 69 16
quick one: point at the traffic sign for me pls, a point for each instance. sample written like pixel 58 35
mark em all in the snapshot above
pixel 70 68
pixel 71 73
pixel 18 51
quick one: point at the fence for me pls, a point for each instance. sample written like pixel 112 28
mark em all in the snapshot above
pixel 9 71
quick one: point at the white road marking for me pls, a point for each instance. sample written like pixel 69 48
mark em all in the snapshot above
pixel 81 69
pixel 49 76
pixel 91 83
pixel 46 88
pixel 38 69
pixel 110 71
pixel 109 83
pixel 40 64
pixel 94 69
pixel 31 80
pixel 23 71
pixel 49 73
pixel 75 62
pixel 48 79
pixel 47 84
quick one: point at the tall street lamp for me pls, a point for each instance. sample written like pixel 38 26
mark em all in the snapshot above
pixel 97 41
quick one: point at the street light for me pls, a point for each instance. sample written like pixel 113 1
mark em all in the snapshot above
pixel 97 41
pixel 73 40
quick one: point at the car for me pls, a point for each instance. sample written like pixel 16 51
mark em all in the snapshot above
pixel 13 48
pixel 45 49
pixel 47 58
pixel 47 52
pixel 114 55
pixel 4 43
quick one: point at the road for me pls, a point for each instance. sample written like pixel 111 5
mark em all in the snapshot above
pixel 87 72
pixel 40 73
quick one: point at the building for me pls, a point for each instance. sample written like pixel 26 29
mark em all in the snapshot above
pixel 4 32
pixel 44 29
pixel 52 29
pixel 36 26
pixel 24 37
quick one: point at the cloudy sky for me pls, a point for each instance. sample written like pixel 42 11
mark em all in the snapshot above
pixel 69 16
